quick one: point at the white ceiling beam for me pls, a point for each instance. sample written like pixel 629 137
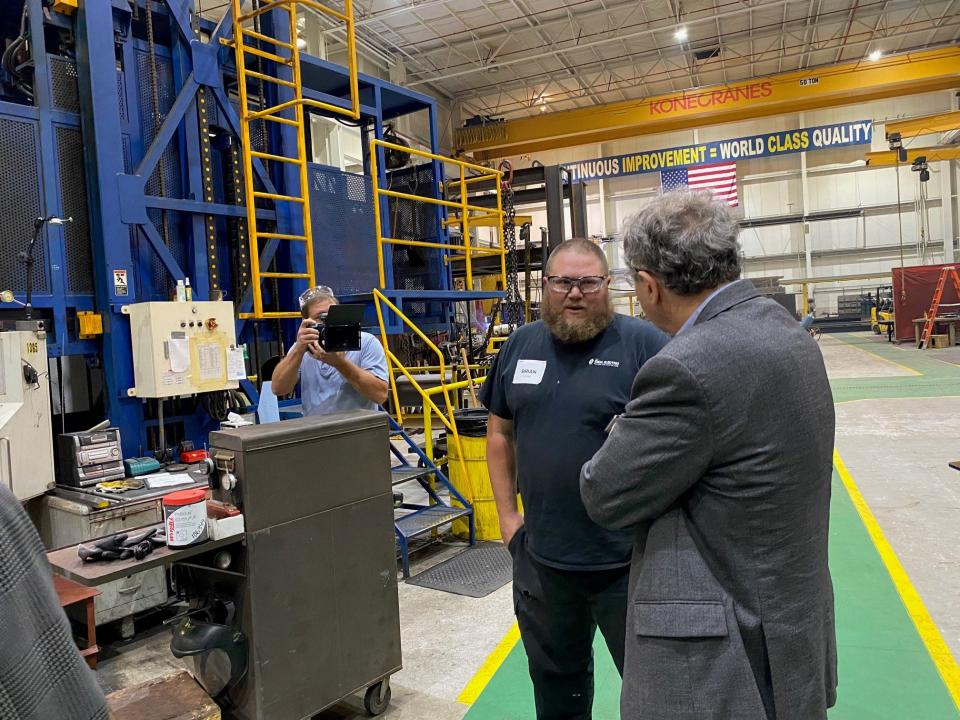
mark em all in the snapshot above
pixel 650 32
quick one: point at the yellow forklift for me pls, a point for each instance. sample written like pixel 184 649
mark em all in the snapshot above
pixel 881 314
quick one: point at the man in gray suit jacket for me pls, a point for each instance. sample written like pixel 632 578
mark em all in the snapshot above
pixel 722 465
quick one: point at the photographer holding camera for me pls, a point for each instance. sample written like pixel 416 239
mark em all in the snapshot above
pixel 331 381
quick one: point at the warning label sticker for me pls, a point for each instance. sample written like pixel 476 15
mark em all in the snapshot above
pixel 120 286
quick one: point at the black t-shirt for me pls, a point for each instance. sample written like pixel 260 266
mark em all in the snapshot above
pixel 561 397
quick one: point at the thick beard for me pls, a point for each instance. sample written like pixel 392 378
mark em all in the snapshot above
pixel 576 332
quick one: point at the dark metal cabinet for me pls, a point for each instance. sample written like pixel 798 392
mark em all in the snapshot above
pixel 319 600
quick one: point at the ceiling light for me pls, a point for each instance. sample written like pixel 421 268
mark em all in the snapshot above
pixel 543 108
pixel 875 55
pixel 302 43
pixel 680 34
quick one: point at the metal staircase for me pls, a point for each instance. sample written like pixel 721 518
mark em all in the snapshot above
pixel 281 69
pixel 413 520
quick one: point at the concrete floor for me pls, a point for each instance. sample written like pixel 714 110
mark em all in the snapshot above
pixel 898 451
pixel 844 360
pixel 896 431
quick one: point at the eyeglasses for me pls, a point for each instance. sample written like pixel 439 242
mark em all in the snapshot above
pixel 587 285
pixel 317 291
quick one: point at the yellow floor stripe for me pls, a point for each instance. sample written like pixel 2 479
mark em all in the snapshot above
pixel 928 356
pixel 893 399
pixel 936 646
pixel 881 357
pixel 490 666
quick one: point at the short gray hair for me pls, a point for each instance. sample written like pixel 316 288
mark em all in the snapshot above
pixel 687 239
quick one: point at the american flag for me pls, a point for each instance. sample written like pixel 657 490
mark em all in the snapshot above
pixel 720 179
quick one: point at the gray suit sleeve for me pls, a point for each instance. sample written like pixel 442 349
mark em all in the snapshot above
pixel 656 451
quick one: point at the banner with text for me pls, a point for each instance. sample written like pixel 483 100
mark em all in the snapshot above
pixel 823 137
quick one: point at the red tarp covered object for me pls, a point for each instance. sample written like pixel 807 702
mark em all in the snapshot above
pixel 913 289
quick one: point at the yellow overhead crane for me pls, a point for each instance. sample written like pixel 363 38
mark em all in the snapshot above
pixel 829 86
pixel 932 154
pixel 911 127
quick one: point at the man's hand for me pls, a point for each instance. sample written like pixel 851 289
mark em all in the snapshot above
pixel 336 360
pixel 509 524
pixel 308 336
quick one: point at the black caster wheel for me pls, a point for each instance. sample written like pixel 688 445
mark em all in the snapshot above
pixel 377 698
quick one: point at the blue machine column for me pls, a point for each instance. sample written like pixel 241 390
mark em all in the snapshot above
pixel 50 198
pixel 110 237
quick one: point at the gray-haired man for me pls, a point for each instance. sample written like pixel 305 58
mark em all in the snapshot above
pixel 721 464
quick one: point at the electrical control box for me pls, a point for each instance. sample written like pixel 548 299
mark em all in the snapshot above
pixel 183 348
pixel 26 433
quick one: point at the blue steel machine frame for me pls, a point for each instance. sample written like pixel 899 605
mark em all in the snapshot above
pixel 123 145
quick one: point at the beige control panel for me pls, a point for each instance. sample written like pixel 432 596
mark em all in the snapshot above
pixel 183 348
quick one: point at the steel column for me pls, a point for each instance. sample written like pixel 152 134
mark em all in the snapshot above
pixel 103 143
pixel 553 187
pixel 578 209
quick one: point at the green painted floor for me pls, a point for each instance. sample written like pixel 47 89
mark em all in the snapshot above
pixel 884 669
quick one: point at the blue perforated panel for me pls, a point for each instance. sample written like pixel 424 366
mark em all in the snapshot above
pixel 415 268
pixel 344 240
pixel 19 205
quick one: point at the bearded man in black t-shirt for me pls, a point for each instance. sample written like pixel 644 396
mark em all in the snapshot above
pixel 555 387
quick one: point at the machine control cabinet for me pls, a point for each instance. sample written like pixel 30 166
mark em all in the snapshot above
pixel 26 432
pixel 184 348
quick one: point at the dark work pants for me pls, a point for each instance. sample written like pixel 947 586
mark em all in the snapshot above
pixel 558 612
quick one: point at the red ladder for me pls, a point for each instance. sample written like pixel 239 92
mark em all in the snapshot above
pixel 937 304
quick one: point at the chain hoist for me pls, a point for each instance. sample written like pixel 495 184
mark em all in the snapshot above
pixel 157 115
pixel 241 263
pixel 209 222
pixel 512 306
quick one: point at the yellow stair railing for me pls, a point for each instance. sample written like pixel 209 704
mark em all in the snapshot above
pixel 284 54
pixel 464 214
pixel 444 389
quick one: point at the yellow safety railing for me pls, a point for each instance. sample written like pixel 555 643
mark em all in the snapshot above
pixel 427 394
pixel 285 54
pixel 428 419
pixel 461 208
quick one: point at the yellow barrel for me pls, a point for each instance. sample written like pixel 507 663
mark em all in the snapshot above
pixel 475 485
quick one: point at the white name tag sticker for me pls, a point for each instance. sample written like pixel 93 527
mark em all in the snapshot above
pixel 529 372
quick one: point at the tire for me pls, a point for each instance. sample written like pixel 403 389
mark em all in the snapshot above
pixel 372 702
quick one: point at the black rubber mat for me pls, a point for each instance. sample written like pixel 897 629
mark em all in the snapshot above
pixel 476 572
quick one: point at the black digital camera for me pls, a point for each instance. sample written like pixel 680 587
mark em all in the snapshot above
pixel 339 328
